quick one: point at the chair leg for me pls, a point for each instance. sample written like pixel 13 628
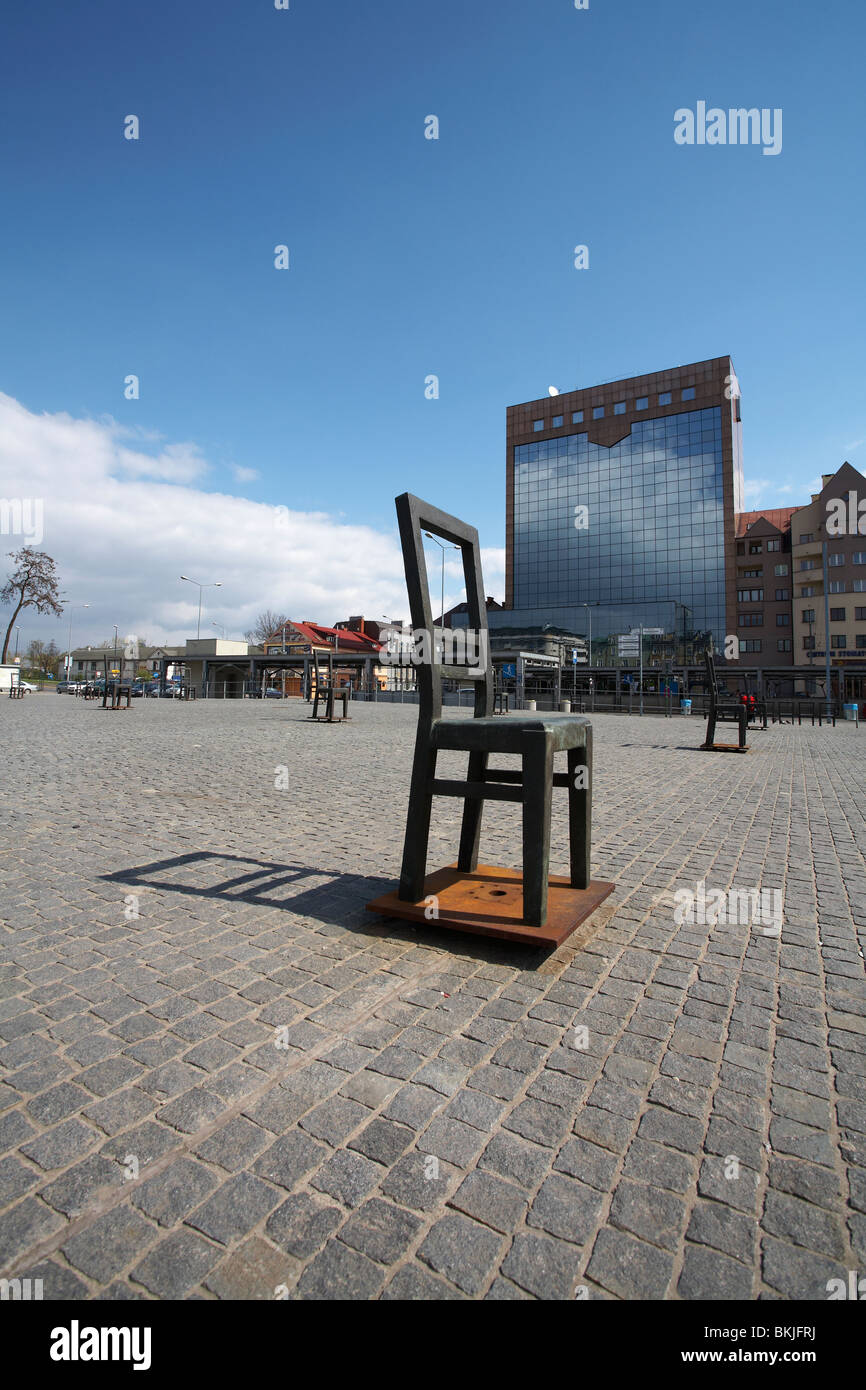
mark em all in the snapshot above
pixel 580 812
pixel 414 869
pixel 470 833
pixel 711 732
pixel 744 728
pixel 537 796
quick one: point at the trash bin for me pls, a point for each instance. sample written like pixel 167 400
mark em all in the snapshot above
pixel 565 707
pixel 685 706
pixel 851 711
pixel 530 704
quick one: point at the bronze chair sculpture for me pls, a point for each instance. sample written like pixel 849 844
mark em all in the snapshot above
pixel 327 693
pixel 723 711
pixel 466 895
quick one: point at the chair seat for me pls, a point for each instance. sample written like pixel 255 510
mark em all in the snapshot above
pixel 497 735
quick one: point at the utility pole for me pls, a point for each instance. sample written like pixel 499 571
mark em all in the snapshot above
pixel 640 640
pixel 826 628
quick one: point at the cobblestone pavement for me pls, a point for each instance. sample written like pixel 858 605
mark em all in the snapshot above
pixel 253 1085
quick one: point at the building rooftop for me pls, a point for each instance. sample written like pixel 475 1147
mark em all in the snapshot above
pixel 780 517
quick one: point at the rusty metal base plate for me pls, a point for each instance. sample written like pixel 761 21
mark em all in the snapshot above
pixel 489 902
pixel 723 748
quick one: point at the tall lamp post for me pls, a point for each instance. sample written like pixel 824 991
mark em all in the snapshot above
pixel 216 585
pixel 72 608
pixel 443 548
pixel 827 694
pixel 589 607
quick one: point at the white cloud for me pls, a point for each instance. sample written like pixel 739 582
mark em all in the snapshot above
pixel 123 525
pixel 755 488
pixel 244 475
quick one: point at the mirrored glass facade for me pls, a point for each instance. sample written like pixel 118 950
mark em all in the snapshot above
pixel 654 524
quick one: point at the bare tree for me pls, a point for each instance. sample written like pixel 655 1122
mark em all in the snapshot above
pixel 265 625
pixel 42 659
pixel 32 585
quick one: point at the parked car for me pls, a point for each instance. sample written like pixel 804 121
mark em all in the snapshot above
pixel 27 687
pixel 69 687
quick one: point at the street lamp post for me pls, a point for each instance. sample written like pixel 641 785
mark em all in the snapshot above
pixel 443 548
pixel 72 608
pixel 589 607
pixel 215 585
pixel 17 635
pixel 827 694
pixel 640 641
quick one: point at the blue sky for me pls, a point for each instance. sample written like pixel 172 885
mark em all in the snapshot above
pixel 410 256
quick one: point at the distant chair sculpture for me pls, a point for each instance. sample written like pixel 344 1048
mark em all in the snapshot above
pixel 723 710
pixel 114 694
pixel 327 693
pixel 467 896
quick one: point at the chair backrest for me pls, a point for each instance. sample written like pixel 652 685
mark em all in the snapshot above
pixel 430 661
pixel 323 684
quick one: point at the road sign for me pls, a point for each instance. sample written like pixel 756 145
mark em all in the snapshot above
pixel 574 656
pixel 509 669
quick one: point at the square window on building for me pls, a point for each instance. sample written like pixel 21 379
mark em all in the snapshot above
pixel 782 595
pixel 598 412
pixel 780 570
pixel 806 537
pixel 689 393
pixel 859 557
pixel 619 408
pixel 775 543
pixel 835 559
pixel 838 640
pixel 858 586
pixel 538 425
pixel 783 619
pixel 577 417
pixel 808 644
pixel 556 422
pixel 783 644
pixel 664 398
pixel 837 586
pixel 860 615
pixel 860 639
pixel 755 548
pixel 837 615
pixel 808 615
pixel 807 591
pixel 641 403
pixel 741 547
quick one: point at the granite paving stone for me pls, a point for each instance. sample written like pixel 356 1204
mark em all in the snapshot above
pixel 434 1127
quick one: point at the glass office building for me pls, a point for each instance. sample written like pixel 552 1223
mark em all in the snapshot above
pixel 622 497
